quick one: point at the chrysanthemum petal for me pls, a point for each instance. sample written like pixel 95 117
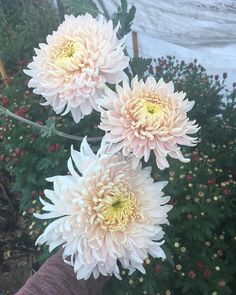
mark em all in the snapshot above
pixel 71 70
pixel 152 118
pixel 111 213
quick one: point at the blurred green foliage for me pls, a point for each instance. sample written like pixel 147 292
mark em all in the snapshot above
pixel 23 25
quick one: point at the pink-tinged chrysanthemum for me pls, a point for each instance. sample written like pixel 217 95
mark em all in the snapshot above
pixel 71 70
pixel 148 116
pixel 106 213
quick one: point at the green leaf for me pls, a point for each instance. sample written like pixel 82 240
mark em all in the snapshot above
pixel 43 163
pixel 125 17
pixel 124 5
pixel 168 255
pixel 81 7
pixel 50 123
pixel 140 65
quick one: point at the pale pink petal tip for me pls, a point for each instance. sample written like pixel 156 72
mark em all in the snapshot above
pixel 106 212
pixel 148 117
pixel 71 70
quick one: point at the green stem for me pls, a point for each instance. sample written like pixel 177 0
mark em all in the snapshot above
pixel 46 129
pixel 61 10
pixel 106 13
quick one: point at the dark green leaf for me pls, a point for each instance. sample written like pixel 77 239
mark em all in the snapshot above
pixel 50 123
pixel 140 65
pixel 168 255
pixel 124 17
pixel 81 7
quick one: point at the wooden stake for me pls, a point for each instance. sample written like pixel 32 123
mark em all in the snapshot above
pixel 135 43
pixel 3 73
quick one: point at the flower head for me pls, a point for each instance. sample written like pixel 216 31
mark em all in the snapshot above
pixel 107 213
pixel 71 70
pixel 147 117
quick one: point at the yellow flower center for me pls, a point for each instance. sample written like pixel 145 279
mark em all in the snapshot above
pixel 153 108
pixel 67 51
pixel 70 56
pixel 120 209
pixel 146 111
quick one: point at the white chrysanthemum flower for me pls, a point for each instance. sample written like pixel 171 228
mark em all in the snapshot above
pixel 71 70
pixel 148 116
pixel 109 213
